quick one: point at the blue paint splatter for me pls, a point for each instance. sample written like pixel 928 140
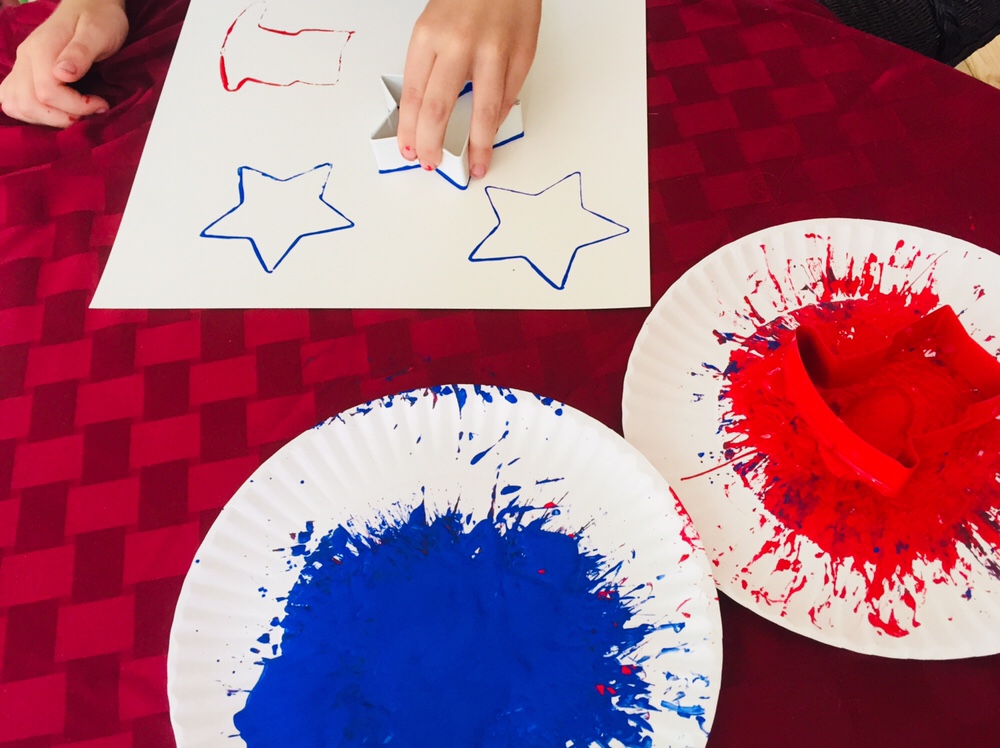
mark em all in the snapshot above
pixel 446 390
pixel 299 549
pixel 452 633
pixel 696 711
pixel 675 627
pixel 479 456
pixel 543 481
pixel 476 458
pixel 548 402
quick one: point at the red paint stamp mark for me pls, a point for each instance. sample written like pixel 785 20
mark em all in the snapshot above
pixel 253 51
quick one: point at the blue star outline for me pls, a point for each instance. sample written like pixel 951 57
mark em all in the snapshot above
pixel 263 263
pixel 561 285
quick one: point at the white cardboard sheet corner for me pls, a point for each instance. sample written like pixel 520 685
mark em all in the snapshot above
pixel 258 187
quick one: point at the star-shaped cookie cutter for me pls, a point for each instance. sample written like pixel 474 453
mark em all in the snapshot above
pixel 454 165
pixel 809 364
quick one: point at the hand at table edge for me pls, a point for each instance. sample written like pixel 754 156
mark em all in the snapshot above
pixel 60 52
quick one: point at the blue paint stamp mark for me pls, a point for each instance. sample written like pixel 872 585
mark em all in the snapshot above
pixel 546 229
pixel 275 214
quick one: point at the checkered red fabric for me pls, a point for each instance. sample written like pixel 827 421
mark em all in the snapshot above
pixel 123 433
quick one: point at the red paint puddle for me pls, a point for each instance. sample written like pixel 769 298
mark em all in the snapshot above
pixel 949 506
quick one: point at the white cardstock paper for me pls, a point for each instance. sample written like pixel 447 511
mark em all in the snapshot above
pixel 259 186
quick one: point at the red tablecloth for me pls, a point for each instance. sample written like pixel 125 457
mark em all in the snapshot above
pixel 122 434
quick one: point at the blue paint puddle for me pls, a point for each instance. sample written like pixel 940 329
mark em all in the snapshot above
pixel 445 632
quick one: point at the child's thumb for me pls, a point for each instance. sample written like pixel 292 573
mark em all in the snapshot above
pixel 81 52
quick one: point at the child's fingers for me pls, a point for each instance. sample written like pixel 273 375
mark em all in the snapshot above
pixel 32 95
pixel 419 62
pixel 29 109
pixel 487 113
pixel 446 81
pixel 518 68
pixel 88 43
pixel 60 51
pixel 499 101
pixel 53 94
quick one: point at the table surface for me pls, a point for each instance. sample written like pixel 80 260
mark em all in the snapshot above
pixel 123 433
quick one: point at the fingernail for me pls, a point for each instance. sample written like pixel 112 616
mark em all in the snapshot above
pixel 67 67
pixel 478 171
pixel 102 110
pixel 428 167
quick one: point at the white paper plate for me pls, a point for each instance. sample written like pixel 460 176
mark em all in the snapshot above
pixel 385 458
pixel 675 406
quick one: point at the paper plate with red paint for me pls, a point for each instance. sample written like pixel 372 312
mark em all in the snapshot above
pixel 487 556
pixel 824 398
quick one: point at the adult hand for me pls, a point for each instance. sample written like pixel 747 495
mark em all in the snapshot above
pixel 59 52
pixel 490 42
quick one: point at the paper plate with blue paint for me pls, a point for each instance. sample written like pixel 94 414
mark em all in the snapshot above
pixel 458 566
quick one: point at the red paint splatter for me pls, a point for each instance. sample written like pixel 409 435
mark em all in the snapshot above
pixel 689 535
pixel 950 504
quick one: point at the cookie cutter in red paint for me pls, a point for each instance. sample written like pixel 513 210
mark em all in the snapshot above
pixel 809 364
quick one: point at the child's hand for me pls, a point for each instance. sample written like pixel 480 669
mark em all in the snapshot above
pixel 490 42
pixel 60 51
